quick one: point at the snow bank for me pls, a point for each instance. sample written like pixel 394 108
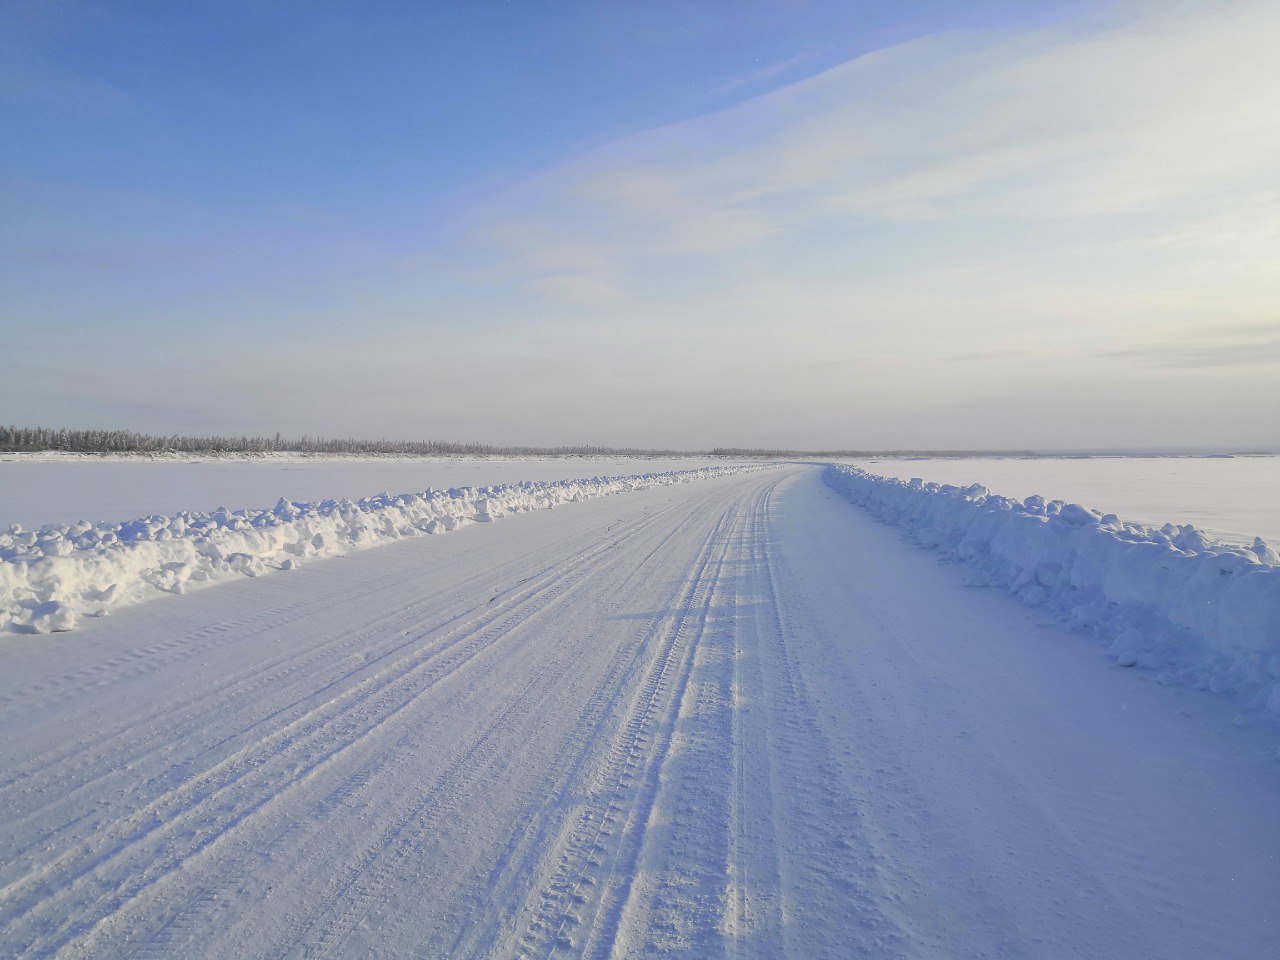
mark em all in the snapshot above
pixel 51 577
pixel 1171 599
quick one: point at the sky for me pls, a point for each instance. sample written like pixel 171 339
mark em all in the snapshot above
pixel 859 225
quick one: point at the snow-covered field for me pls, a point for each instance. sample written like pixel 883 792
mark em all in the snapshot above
pixel 1234 498
pixel 734 716
pixel 52 488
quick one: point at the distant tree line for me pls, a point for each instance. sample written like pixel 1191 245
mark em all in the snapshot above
pixel 39 439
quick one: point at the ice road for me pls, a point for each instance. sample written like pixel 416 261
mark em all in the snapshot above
pixel 735 717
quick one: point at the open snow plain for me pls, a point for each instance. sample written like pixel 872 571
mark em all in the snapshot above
pixel 729 717
pixel 36 489
pixel 1233 498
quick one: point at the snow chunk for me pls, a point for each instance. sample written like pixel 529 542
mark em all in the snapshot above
pixel 52 617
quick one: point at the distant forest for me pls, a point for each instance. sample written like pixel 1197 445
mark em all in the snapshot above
pixel 41 439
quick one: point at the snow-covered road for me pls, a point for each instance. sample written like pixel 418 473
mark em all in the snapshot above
pixel 735 717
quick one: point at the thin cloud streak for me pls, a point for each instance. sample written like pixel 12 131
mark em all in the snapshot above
pixel 1204 356
pixel 766 73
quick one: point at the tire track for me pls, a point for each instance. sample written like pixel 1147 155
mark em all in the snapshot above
pixel 251 680
pixel 358 892
pixel 684 898
pixel 72 783
pixel 280 753
pixel 510 880
pixel 754 916
pixel 590 859
pixel 477 939
pixel 833 903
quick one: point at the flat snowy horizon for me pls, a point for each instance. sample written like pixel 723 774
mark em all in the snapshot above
pixel 1232 497
pixel 700 713
pixel 591 706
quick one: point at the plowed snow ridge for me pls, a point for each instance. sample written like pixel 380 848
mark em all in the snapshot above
pixel 1173 599
pixel 51 577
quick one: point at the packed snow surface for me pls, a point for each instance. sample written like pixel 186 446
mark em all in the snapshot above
pixel 734 718
pixel 1233 498
pixel 1171 599
pixel 51 577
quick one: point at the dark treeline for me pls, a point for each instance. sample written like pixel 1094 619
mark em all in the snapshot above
pixel 39 439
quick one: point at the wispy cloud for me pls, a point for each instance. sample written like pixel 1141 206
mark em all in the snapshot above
pixel 968 239
pixel 1128 118
pixel 1017 202
pixel 1229 347
pixel 767 73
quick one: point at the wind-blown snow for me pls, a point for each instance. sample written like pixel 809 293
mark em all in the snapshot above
pixel 51 577
pixel 1170 599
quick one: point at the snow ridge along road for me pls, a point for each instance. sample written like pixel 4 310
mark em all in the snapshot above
pixel 736 718
pixel 51 577
pixel 1173 600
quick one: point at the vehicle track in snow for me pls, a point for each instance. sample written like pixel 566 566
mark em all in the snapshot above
pixel 322 666
pixel 735 718
pixel 620 802
pixel 248 781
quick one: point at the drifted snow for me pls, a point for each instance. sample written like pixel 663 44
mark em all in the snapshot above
pixel 51 577
pixel 1170 599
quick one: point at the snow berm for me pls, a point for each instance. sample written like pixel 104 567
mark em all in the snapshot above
pixel 1170 599
pixel 51 577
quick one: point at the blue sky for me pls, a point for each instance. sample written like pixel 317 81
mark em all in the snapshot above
pixel 932 224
